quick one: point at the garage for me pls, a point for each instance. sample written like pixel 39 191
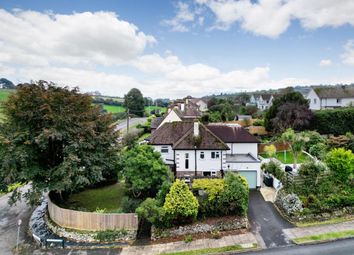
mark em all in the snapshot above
pixel 251 177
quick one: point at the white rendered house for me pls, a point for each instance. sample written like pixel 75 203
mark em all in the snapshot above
pixel 330 97
pixel 193 149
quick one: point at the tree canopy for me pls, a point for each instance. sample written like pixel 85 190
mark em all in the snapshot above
pixel 134 102
pixel 144 171
pixel 299 108
pixel 56 139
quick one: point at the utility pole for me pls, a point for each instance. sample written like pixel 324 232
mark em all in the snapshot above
pixel 127 120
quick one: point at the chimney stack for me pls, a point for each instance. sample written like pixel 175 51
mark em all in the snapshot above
pixel 182 107
pixel 196 129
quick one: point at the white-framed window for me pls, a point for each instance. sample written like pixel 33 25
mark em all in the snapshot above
pixel 202 155
pixel 315 100
pixel 339 100
pixel 215 154
pixel 164 149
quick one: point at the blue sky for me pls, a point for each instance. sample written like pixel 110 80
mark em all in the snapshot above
pixel 176 48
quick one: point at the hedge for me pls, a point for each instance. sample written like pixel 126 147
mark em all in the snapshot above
pixel 334 121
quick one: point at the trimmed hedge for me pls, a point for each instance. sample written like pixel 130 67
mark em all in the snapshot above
pixel 334 121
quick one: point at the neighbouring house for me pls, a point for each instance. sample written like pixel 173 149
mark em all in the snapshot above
pixel 193 149
pixel 180 110
pixel 262 101
pixel 330 97
pixel 200 103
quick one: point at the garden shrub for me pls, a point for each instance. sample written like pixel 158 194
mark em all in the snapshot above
pixel 110 235
pixel 334 121
pixel 153 212
pixel 162 193
pixel 313 139
pixel 341 200
pixel 180 203
pixel 129 204
pixel 258 123
pixel 341 163
pixel 234 199
pixel 318 150
pixel 213 187
pixel 273 168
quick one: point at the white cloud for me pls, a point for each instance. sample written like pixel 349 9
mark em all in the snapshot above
pixel 271 18
pixel 29 37
pixel 348 55
pixel 88 50
pixel 325 62
pixel 184 15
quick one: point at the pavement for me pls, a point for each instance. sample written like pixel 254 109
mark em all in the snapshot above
pixel 267 222
pixel 8 223
pixel 245 240
pixel 318 230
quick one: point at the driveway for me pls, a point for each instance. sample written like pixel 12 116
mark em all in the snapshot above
pixel 8 223
pixel 266 221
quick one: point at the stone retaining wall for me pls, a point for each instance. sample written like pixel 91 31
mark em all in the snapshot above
pixel 221 224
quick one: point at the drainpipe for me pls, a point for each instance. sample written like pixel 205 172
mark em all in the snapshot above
pixel 195 160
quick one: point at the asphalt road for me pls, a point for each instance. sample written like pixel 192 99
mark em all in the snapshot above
pixel 122 125
pixel 267 221
pixel 342 247
pixel 8 223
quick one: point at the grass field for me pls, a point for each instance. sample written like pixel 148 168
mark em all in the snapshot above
pixel 289 157
pixel 117 109
pixel 4 94
pixel 113 108
pixel 108 198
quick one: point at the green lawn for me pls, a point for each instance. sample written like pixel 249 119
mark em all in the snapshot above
pixel 117 109
pixel 108 198
pixel 4 94
pixel 289 157
pixel 113 108
pixel 150 108
pixel 331 221
pixel 225 249
pixel 324 237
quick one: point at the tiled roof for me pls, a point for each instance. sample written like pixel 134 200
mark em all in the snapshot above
pixel 232 133
pixel 155 123
pixel 335 92
pixel 181 136
pixel 171 132
pixel 205 141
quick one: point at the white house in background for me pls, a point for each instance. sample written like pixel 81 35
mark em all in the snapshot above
pixel 202 104
pixel 330 97
pixel 262 101
pixel 193 149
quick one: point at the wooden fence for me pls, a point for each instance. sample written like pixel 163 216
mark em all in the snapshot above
pixel 91 221
pixel 278 146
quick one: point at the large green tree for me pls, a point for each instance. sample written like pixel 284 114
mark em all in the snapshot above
pixel 299 104
pixel 144 171
pixel 56 139
pixel 134 102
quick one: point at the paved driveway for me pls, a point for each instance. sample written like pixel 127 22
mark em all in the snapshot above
pixel 8 223
pixel 266 221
